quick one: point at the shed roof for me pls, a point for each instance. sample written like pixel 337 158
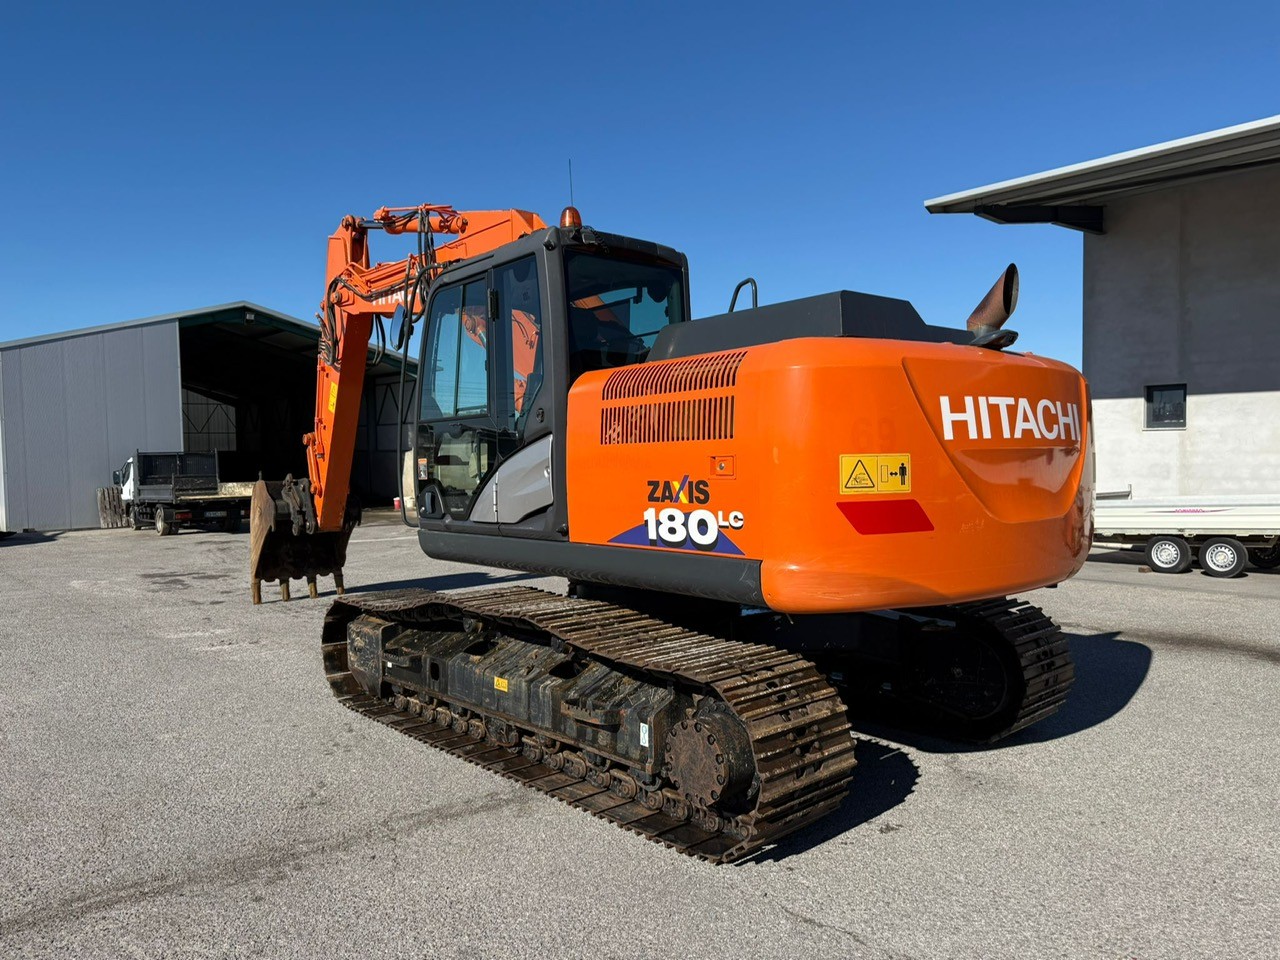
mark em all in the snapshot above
pixel 258 324
pixel 1074 196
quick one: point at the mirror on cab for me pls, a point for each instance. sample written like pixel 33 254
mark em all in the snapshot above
pixel 399 331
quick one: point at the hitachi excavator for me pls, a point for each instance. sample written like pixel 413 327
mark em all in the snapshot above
pixel 760 515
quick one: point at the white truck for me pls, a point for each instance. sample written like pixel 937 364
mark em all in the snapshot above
pixel 171 490
pixel 1223 533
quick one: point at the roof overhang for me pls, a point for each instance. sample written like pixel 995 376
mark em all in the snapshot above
pixel 255 325
pixel 1075 196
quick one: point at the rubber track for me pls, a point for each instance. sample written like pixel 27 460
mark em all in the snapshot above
pixel 1043 656
pixel 800 734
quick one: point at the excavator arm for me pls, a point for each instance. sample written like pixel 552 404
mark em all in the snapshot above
pixel 299 529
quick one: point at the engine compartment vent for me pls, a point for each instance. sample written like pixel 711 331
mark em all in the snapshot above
pixel 700 418
pixel 714 371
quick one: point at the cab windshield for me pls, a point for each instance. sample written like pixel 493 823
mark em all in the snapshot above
pixel 617 307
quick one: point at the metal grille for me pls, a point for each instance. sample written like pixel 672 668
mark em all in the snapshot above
pixel 704 418
pixel 716 371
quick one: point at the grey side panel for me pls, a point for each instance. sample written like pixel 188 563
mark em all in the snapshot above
pixel 14 465
pixel 4 511
pixel 75 409
pixel 519 487
pixel 715 578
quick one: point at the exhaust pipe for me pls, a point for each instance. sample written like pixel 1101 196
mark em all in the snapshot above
pixel 997 306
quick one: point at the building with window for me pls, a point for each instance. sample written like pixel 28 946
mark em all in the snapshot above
pixel 1181 304
pixel 237 378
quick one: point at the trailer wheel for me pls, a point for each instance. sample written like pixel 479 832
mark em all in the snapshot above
pixel 164 527
pixel 1222 557
pixel 1268 558
pixel 1168 554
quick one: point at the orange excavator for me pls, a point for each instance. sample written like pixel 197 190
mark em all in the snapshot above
pixel 761 515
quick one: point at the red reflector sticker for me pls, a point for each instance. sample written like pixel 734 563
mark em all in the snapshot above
pixel 885 516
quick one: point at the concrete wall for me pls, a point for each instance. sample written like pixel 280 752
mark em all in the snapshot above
pixel 74 410
pixel 1184 287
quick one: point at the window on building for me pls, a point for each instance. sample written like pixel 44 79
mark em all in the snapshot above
pixel 1167 407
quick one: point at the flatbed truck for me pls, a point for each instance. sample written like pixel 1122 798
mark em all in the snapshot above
pixel 171 490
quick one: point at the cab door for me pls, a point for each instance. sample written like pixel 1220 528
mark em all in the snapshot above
pixel 458 435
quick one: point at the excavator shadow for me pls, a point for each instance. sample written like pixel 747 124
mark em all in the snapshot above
pixel 884 778
pixel 1109 671
pixel 448 581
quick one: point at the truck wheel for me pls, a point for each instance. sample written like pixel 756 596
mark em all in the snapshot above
pixel 231 523
pixel 1268 558
pixel 1168 554
pixel 1222 557
pixel 164 527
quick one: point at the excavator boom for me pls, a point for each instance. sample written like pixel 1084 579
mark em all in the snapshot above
pixel 316 515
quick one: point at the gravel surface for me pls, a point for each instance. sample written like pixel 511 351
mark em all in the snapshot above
pixel 178 781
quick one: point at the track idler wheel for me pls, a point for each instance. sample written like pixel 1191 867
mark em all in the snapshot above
pixel 709 758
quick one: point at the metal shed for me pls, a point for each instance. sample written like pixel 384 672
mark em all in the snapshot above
pixel 237 377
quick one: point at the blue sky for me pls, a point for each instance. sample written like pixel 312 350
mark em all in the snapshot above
pixel 157 158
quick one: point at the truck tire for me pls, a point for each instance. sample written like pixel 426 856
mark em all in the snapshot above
pixel 231 522
pixel 1266 558
pixel 1222 557
pixel 164 527
pixel 1168 554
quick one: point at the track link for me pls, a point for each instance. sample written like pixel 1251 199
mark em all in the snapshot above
pixel 1036 652
pixel 799 734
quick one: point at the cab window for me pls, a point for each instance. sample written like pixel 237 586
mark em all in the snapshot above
pixel 617 307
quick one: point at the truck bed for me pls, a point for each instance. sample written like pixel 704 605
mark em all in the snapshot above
pixel 1187 516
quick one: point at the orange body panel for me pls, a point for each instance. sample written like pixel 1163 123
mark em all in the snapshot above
pixel 863 474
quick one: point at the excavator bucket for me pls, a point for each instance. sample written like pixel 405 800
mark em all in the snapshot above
pixel 280 548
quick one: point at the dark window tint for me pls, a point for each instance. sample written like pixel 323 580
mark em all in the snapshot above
pixel 520 312
pixel 456 378
pixel 616 309
pixel 1167 406
pixel 440 367
pixel 473 367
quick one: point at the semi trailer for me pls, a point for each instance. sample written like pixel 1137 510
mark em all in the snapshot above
pixel 1224 534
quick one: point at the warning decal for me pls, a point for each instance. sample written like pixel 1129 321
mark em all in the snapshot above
pixel 333 397
pixel 500 684
pixel 875 473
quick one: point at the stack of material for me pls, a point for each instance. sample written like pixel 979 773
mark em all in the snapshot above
pixel 111 511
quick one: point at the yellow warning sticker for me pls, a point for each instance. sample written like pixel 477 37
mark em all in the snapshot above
pixel 333 397
pixel 875 473
pixel 500 684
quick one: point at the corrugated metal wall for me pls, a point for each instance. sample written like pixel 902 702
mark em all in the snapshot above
pixel 73 410
pixel 4 512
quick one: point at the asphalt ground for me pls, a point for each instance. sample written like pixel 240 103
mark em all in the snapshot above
pixel 177 781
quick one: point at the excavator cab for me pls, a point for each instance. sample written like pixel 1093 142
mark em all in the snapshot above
pixel 505 338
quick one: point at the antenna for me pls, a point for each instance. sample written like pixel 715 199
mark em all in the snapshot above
pixel 571 181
